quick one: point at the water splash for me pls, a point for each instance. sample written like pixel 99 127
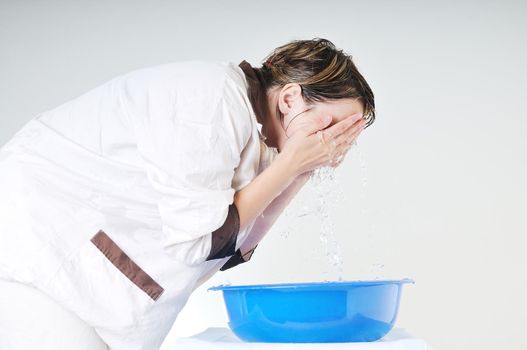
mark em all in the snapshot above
pixel 286 232
pixel 325 182
pixel 376 269
pixel 304 211
pixel 363 170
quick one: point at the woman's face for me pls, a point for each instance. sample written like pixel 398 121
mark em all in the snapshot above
pixel 297 114
pixel 306 114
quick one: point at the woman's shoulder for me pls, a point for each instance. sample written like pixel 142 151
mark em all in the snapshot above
pixel 212 93
pixel 199 71
pixel 194 83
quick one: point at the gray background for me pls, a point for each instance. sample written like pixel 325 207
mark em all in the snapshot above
pixel 435 190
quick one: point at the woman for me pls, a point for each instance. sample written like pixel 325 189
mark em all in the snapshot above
pixel 118 204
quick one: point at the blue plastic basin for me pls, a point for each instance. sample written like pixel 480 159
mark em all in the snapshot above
pixel 318 312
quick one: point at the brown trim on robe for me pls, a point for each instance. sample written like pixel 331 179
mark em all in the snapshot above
pixel 223 242
pixel 238 259
pixel 126 265
pixel 257 94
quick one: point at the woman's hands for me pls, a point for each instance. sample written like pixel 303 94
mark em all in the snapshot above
pixel 303 152
pixel 319 145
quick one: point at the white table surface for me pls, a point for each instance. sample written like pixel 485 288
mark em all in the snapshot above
pixel 224 339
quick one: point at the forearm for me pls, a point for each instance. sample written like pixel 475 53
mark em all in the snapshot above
pixel 273 211
pixel 253 199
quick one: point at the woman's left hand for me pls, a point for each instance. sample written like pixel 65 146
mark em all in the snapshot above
pixel 352 140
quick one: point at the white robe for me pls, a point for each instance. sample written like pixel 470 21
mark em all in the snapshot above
pixel 150 160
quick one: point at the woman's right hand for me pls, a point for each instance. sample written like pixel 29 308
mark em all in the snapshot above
pixel 318 145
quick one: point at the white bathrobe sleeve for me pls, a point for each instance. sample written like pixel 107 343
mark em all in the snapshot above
pixel 191 128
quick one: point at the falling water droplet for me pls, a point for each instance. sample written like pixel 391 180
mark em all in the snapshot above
pixel 305 211
pixel 324 182
pixel 362 163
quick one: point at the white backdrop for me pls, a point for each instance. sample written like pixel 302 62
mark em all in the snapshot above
pixel 438 194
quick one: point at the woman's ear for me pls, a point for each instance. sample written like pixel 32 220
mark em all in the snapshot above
pixel 289 96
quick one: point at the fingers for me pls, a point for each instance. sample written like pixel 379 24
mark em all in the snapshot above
pixel 349 136
pixel 341 127
pixel 337 139
pixel 345 138
pixel 334 143
pixel 320 124
pixel 340 153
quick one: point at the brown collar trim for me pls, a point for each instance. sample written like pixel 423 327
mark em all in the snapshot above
pixel 257 94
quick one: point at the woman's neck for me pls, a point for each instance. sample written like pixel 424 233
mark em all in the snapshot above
pixel 262 102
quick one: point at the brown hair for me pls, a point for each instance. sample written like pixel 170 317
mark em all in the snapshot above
pixel 323 72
